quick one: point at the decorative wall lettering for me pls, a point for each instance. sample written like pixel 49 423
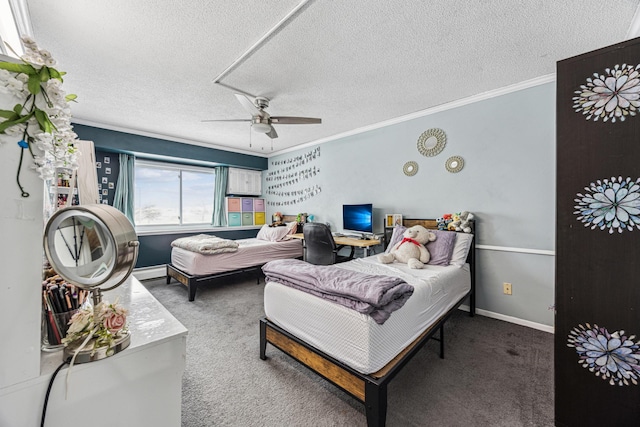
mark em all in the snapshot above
pixel 613 95
pixel 289 174
pixel 299 195
pixel 610 356
pixel 298 160
pixel 610 204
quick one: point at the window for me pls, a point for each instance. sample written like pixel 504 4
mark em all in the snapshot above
pixel 168 194
pixel 14 21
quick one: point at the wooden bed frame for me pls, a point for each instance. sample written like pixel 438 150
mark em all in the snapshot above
pixel 370 389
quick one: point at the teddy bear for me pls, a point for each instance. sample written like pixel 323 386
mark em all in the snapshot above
pixel 444 221
pixel 455 221
pixel 462 222
pixel 411 249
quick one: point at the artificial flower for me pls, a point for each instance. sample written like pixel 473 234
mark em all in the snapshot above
pixel 43 119
pixel 101 325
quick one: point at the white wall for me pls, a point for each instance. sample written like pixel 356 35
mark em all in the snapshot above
pixel 21 227
pixel 508 144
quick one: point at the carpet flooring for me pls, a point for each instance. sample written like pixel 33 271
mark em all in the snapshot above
pixel 494 373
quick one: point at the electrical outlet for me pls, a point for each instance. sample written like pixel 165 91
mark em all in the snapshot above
pixel 506 287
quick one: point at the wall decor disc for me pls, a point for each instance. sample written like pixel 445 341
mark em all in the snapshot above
pixel 410 168
pixel 454 164
pixel 432 142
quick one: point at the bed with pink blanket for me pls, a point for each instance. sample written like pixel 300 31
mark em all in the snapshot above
pixel 201 261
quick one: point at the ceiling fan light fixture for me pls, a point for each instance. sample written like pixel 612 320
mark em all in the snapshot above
pixel 261 127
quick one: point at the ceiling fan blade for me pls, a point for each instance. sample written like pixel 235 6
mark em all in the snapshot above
pixel 249 106
pixel 226 120
pixel 295 120
pixel 272 133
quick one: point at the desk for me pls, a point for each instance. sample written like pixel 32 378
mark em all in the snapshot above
pixel 347 241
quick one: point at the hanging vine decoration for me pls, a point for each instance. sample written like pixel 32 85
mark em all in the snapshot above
pixel 43 119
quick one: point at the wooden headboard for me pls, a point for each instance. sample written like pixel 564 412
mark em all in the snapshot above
pixel 289 218
pixel 431 224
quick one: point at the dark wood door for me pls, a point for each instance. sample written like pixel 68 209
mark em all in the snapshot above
pixel 597 356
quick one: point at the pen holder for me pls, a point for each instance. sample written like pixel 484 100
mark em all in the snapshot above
pixel 54 328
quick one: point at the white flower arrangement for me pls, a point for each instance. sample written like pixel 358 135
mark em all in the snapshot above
pixel 43 118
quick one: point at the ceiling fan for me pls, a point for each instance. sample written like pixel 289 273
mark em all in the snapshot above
pixel 261 121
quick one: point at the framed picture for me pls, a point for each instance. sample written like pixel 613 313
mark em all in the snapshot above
pixel 390 220
pixel 111 186
pixel 98 165
pixel 107 160
pixel 397 219
pixel 105 180
pixel 107 171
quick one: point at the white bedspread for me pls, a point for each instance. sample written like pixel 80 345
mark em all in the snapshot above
pixel 354 338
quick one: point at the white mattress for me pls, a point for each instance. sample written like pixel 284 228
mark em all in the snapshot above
pixel 251 252
pixel 355 338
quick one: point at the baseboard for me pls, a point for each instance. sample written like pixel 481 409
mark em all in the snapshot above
pixel 510 319
pixel 146 273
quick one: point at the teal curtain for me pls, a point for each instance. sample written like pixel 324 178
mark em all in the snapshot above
pixel 219 218
pixel 123 199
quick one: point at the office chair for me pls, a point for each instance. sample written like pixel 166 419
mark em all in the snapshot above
pixel 319 246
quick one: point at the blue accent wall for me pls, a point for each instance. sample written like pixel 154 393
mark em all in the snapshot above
pixel 155 249
pixel 111 140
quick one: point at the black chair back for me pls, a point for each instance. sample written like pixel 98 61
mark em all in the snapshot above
pixel 319 246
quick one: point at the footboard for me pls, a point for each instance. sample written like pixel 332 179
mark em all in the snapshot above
pixel 370 389
pixel 191 282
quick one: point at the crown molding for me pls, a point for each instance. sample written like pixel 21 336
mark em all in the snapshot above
pixel 433 110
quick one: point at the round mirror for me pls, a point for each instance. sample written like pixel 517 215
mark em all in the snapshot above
pixel 432 142
pixel 454 164
pixel 91 246
pixel 410 168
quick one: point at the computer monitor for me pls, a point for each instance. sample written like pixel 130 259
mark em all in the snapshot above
pixel 358 217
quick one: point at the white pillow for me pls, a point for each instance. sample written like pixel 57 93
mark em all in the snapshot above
pixel 396 236
pixel 461 249
pixel 272 234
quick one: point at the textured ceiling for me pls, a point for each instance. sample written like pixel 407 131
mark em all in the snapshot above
pixel 148 66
